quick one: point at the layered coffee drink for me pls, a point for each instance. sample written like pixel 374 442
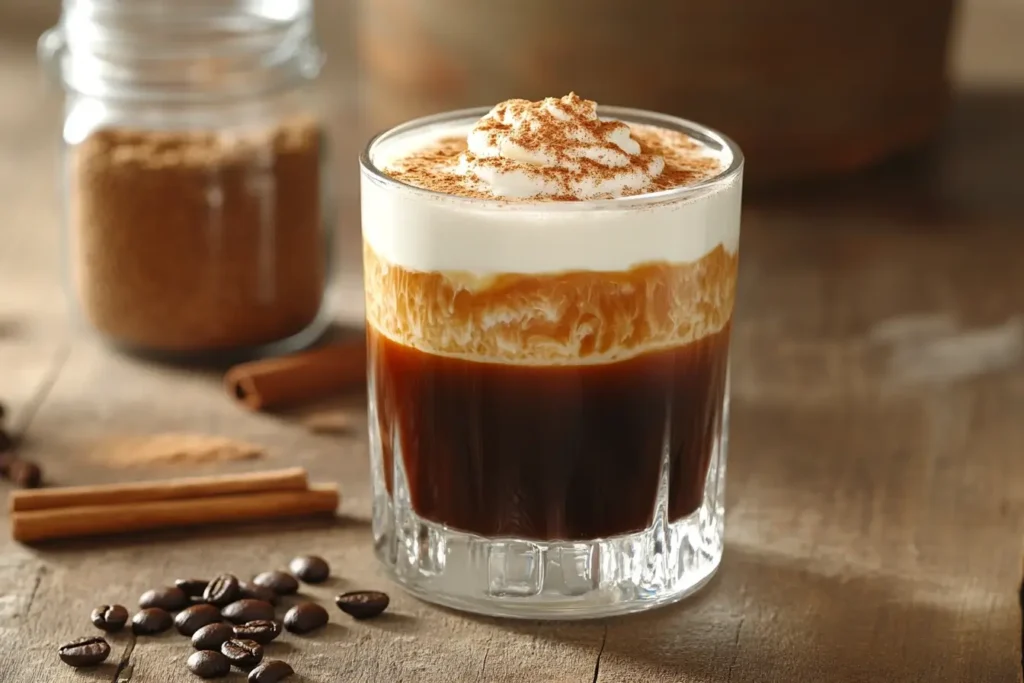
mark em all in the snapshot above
pixel 549 296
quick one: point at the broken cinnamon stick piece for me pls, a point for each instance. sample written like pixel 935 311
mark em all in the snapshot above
pixel 94 520
pixel 299 378
pixel 291 479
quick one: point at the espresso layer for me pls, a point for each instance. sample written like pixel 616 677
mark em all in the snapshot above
pixel 549 453
pixel 568 318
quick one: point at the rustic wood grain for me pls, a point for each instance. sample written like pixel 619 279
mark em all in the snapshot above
pixel 876 480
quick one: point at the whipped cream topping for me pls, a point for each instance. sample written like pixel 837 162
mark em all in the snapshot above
pixel 437 231
pixel 557 148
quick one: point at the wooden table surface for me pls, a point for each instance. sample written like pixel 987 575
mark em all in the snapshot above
pixel 876 477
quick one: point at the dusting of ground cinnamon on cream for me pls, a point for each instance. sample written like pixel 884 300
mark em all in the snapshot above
pixel 556 149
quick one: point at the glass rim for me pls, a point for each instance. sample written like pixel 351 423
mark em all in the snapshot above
pixel 627 114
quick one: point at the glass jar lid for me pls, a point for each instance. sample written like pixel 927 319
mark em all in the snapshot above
pixel 181 49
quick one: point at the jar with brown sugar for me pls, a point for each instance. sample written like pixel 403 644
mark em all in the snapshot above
pixel 196 174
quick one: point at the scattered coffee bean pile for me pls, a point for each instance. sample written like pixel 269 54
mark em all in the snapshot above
pixel 229 621
pixel 22 473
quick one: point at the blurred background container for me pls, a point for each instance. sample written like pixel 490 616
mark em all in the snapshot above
pixel 806 87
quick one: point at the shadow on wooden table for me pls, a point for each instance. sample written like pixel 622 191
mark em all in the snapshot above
pixel 215 363
pixel 104 672
pixel 743 626
pixel 10 328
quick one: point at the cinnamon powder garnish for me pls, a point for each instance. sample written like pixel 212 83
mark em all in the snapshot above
pixel 554 138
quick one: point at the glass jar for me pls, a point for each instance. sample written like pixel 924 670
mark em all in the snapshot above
pixel 196 174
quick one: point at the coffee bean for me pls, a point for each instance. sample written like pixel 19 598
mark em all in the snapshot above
pixel 25 474
pixel 262 631
pixel 109 618
pixel 253 592
pixel 195 617
pixel 223 590
pixel 245 654
pixel 245 610
pixel 305 617
pixel 84 651
pixel 208 664
pixel 363 604
pixel 212 636
pixel 270 671
pixel 310 568
pixel 150 621
pixel 193 588
pixel 169 598
pixel 280 582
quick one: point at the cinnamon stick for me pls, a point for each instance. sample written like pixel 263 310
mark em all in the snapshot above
pixel 299 378
pixel 292 479
pixel 93 520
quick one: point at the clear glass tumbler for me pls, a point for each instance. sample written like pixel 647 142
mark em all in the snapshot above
pixel 549 385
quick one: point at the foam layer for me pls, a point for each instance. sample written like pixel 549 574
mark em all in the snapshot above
pixel 573 318
pixel 428 232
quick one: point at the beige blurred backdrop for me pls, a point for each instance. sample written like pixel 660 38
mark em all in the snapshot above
pixel 988 54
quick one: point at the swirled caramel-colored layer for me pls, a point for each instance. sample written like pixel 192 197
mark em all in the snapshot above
pixel 567 318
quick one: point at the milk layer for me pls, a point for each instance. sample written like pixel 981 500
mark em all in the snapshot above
pixel 428 231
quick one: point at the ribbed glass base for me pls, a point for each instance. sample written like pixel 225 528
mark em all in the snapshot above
pixel 548 579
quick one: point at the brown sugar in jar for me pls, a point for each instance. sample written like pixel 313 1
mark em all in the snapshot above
pixel 191 242
pixel 195 167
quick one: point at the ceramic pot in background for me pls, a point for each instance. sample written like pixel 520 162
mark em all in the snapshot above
pixel 805 87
